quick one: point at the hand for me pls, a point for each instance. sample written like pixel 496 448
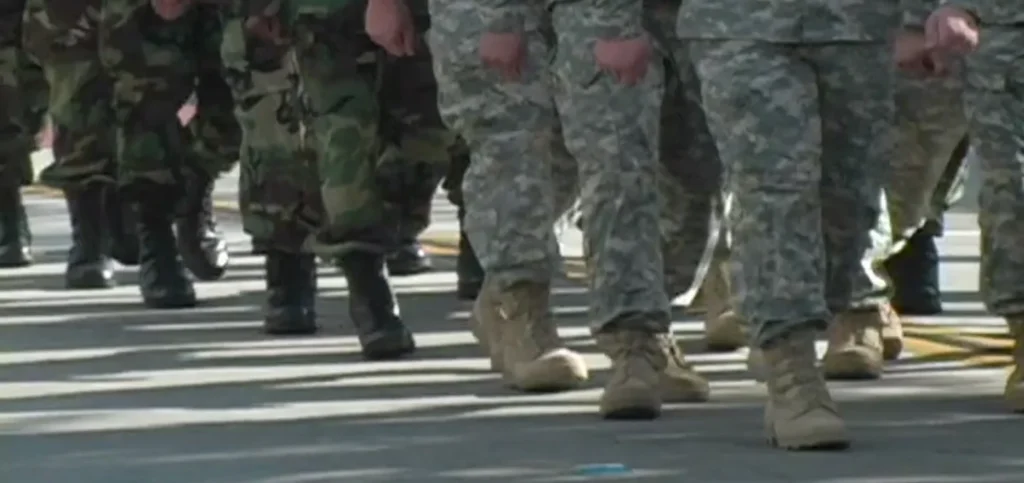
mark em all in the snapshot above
pixel 267 28
pixel 171 9
pixel 505 53
pixel 389 24
pixel 910 53
pixel 625 59
pixel 953 30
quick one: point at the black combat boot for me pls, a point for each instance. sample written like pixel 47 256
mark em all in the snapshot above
pixel 408 259
pixel 373 307
pixel 15 237
pixel 121 223
pixel 202 249
pixel 915 276
pixel 467 267
pixel 291 294
pixel 89 264
pixel 162 278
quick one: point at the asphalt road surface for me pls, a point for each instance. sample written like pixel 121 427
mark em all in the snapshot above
pixel 96 389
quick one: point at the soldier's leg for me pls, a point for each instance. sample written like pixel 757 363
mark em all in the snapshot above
pixel 914 269
pixel 510 129
pixel 83 144
pixel 340 67
pixel 22 94
pixel 774 174
pixel 418 182
pixel 467 268
pixel 994 104
pixel 931 124
pixel 689 185
pixel 154 72
pixel 858 142
pixel 278 191
pixel 849 355
pixel 629 307
pixel 216 137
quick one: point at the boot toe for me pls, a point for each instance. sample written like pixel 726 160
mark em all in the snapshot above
pixel 854 363
pixel 90 276
pixel 557 370
pixel 410 260
pixel 207 258
pixel 631 399
pixel 291 320
pixel 725 334
pixel 684 388
pixel 816 431
pixel 387 344
pixel 15 257
pixel 169 298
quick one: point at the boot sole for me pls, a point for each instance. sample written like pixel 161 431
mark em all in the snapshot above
pixel 15 263
pixel 410 271
pixel 170 304
pixel 633 413
pixel 290 329
pixel 836 442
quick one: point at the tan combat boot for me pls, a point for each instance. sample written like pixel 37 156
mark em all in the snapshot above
pixel 724 330
pixel 1014 392
pixel 854 346
pixel 634 387
pixel 483 323
pixel 892 332
pixel 532 357
pixel 800 413
pixel 680 383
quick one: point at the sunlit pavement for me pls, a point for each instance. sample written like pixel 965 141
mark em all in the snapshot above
pixel 94 388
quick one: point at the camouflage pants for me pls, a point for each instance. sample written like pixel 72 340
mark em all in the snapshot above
pixel 279 194
pixel 23 92
pixel 804 173
pixel 216 132
pixel 63 38
pixel 930 122
pixel 689 174
pixel 119 75
pixel 368 116
pixel 516 134
pixel 994 99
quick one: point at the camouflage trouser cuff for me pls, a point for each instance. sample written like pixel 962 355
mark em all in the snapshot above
pixel 380 239
pixel 651 323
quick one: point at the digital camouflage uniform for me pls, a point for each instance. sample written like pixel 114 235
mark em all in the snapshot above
pixel 517 134
pixel 469 273
pixel 279 194
pixel 690 189
pixel 994 101
pixel 798 98
pixel 923 181
pixel 22 108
